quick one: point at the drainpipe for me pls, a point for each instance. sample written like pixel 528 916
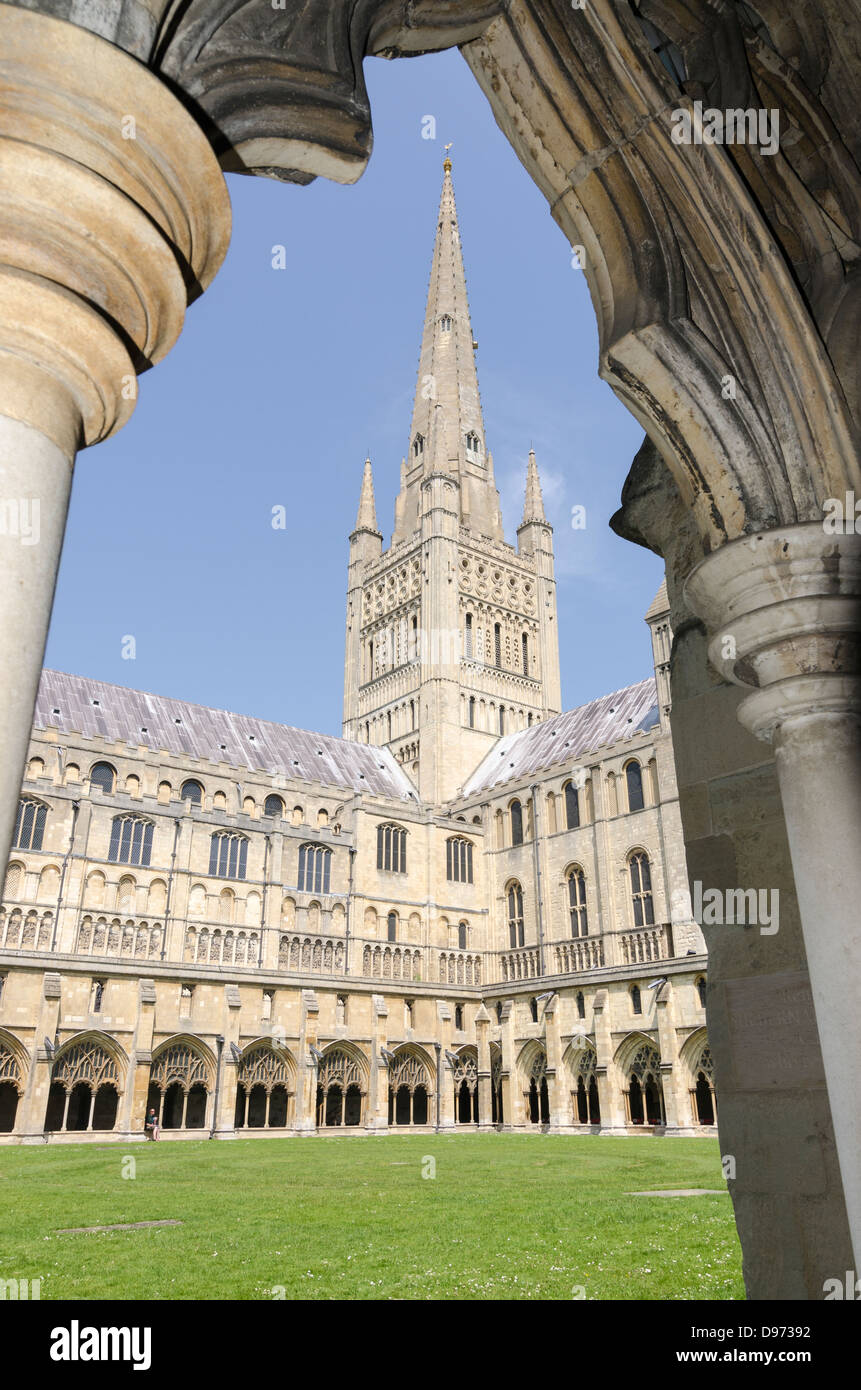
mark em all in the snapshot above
pixel 176 826
pixel 219 1042
pixel 76 806
pixel 438 1047
pixel 539 894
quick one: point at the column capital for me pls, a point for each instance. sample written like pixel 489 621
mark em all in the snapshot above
pixel 783 611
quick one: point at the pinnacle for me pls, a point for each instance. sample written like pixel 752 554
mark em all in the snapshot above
pixel 533 504
pixel 366 519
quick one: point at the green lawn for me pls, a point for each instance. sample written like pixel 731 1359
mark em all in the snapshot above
pixel 506 1216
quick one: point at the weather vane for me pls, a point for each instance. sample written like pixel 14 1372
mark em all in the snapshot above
pixel 447 160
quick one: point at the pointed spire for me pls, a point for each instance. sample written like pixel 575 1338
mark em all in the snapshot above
pixel 447 374
pixel 367 516
pixel 533 504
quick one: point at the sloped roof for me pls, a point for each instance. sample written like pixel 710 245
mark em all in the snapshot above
pixel 78 705
pixel 568 736
pixel 660 603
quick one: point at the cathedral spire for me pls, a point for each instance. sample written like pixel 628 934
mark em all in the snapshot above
pixel 447 429
pixel 533 503
pixel 366 519
pixel 447 374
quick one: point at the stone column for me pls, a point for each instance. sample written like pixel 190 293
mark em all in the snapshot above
pixel 783 609
pixel 482 1039
pixel 305 1107
pixel 677 1106
pixel 34 1103
pixel 556 1081
pixel 377 1115
pixel 446 1099
pixel 610 1097
pixel 115 214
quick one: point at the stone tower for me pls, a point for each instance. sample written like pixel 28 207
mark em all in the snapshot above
pixel 451 632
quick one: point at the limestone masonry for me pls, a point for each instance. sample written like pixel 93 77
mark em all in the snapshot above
pixel 471 910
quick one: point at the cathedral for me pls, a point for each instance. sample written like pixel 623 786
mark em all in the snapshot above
pixel 471 911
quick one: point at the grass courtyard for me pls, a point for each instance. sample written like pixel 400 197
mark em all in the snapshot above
pixel 504 1217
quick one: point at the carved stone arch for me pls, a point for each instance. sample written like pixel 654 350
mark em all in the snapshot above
pixel 578 1051
pixel 262 1063
pixel 169 1062
pixel 81 1054
pixel 412 1067
pixel 345 1058
pixel 14 1061
pixel 628 1048
pixel 687 288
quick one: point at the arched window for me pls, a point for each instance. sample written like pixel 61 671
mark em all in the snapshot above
pixel 314 868
pixel 392 848
pixel 516 823
pixel 634 776
pixel 641 890
pixel 497 644
pixel 30 825
pixel 702 1094
pixel 85 1085
pixel 502 719
pixel 581 1004
pixel 131 841
pixel 472 711
pixel 473 445
pixel 462 930
pixel 701 991
pixel 524 652
pixel 445 323
pixel 636 999
pixel 515 915
pixel 191 791
pixel 458 1017
pixel 273 806
pixel 533 1009
pixel 645 1095
pixel 468 636
pixel 179 1086
pixel 227 855
pixel 104 776
pixel 418 445
pixel 577 901
pixel 392 926
pixel 572 806
pixel 458 860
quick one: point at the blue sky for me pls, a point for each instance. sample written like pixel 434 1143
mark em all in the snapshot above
pixel 283 379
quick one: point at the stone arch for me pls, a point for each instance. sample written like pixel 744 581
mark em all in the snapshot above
pixel 342 1086
pixel 465 1079
pixel 532 1068
pixel 265 1086
pixel 411 1086
pixel 14 1070
pixel 697 1062
pixel 580 1064
pixel 182 1075
pixel 87 1079
pixel 638 1062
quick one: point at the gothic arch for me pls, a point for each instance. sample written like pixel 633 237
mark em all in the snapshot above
pixel 182 1075
pixel 265 1086
pixel 14 1070
pixel 87 1079
pixel 696 1059
pixel 343 1074
pixel 411 1086
pixel 532 1066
